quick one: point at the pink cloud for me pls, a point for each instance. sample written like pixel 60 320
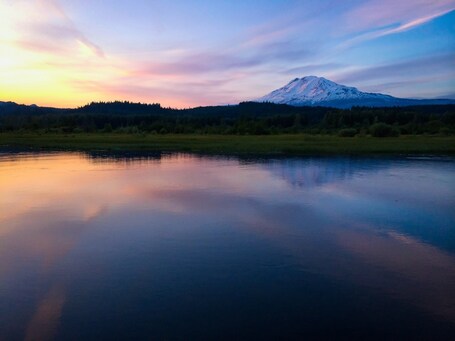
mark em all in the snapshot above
pixel 408 14
pixel 49 29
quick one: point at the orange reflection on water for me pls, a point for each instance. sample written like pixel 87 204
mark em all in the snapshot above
pixel 50 202
pixel 45 320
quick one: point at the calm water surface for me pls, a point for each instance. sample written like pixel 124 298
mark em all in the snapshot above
pixel 189 247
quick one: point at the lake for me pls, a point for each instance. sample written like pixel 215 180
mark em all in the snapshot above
pixel 178 246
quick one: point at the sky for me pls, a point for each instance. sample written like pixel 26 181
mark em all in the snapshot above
pixel 181 53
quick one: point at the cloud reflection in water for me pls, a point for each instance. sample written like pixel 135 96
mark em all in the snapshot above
pixel 362 222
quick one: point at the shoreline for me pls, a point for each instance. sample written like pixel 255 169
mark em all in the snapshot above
pixel 293 145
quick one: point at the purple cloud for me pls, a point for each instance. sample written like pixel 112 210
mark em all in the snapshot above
pixel 407 69
pixel 313 68
pixel 381 13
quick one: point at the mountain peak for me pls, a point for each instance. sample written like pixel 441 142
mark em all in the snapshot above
pixel 319 91
pixel 313 90
pixel 309 79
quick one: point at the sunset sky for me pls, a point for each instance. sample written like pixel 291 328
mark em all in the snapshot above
pixel 183 53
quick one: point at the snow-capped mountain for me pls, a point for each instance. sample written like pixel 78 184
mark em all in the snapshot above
pixel 318 91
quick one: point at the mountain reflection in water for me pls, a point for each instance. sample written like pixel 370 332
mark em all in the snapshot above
pixel 174 245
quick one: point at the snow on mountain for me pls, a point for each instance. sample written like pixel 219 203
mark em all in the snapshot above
pixel 318 91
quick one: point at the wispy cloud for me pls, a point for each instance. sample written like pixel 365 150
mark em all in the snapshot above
pixel 373 14
pixel 313 68
pixel 212 61
pixel 406 69
pixel 420 77
pixel 47 25
pixel 196 65
pixel 397 28
pixel 56 50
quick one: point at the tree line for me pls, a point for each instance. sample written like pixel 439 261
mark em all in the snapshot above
pixel 246 118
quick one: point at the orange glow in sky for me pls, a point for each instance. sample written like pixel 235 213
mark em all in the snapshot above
pixel 66 53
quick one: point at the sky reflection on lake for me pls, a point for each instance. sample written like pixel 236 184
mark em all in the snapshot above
pixel 172 246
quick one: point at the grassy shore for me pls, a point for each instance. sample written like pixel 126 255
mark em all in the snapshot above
pixel 226 144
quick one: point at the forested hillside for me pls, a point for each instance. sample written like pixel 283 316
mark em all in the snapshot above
pixel 245 118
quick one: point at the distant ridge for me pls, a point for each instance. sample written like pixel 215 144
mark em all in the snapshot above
pixel 318 91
